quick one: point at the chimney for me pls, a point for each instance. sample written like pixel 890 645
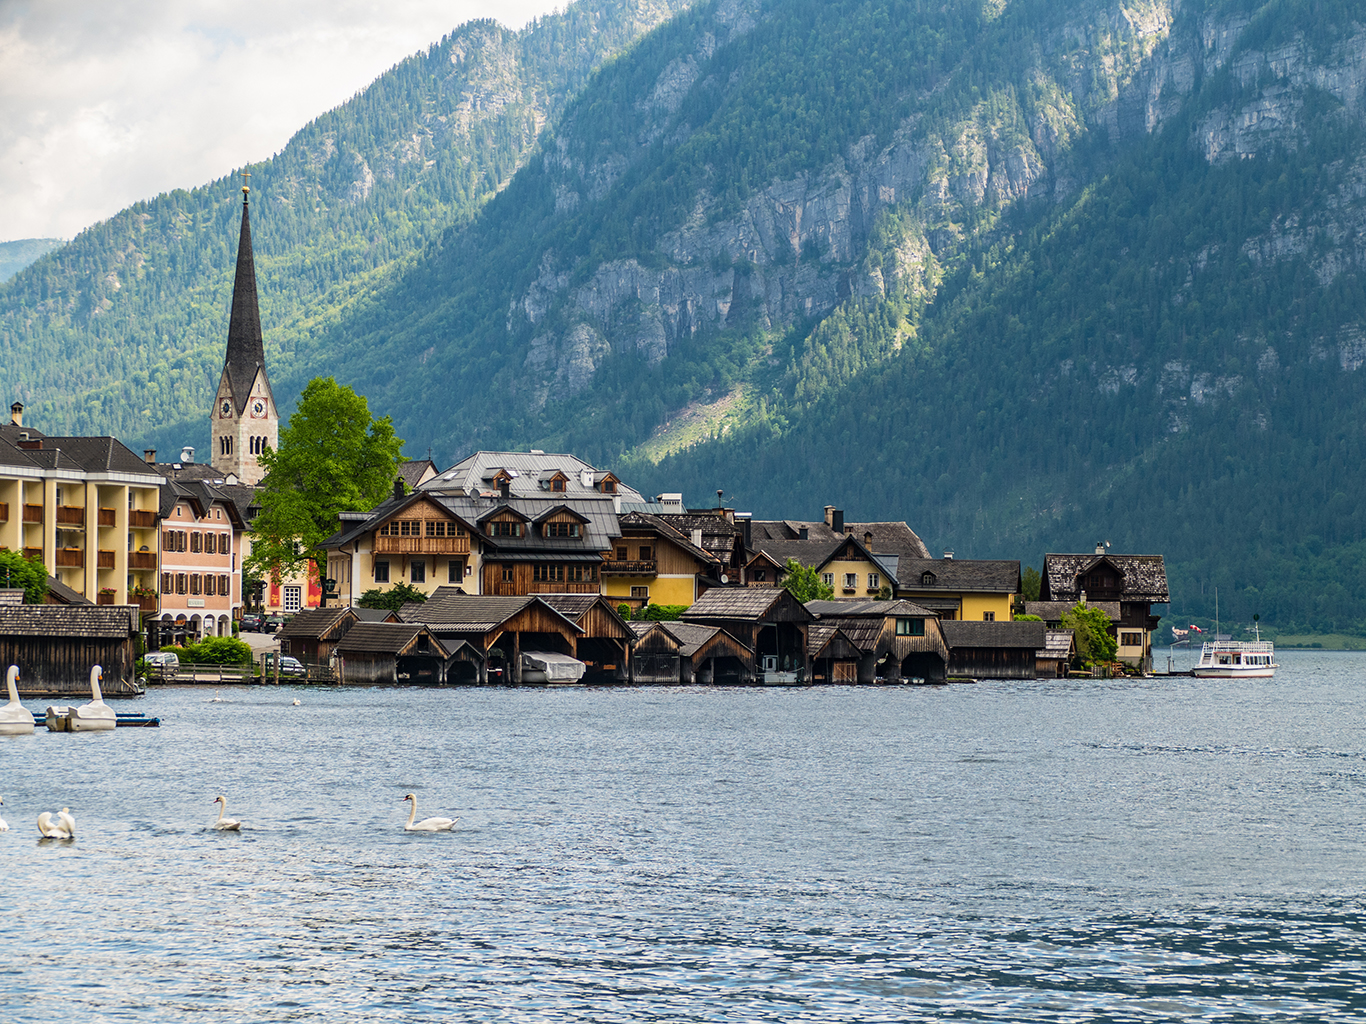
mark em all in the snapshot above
pixel 149 456
pixel 745 520
pixel 505 488
pixel 1100 547
pixel 948 554
pixel 829 516
pixel 697 537
pixel 27 443
pixel 803 533
pixel 16 414
pixel 836 520
pixel 398 488
pixel 187 455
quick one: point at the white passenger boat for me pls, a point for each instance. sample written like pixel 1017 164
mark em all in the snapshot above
pixel 1236 659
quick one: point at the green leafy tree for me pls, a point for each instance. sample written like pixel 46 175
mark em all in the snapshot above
pixel 16 571
pixel 333 457
pixel 1030 583
pixel 392 599
pixel 804 583
pixel 1091 627
pixel 217 650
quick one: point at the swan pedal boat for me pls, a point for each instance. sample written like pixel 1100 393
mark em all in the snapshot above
pixel 15 719
pixel 97 716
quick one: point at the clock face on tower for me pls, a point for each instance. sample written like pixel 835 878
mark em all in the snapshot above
pixel 258 407
pixel 225 409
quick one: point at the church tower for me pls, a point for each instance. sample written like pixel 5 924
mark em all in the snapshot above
pixel 244 419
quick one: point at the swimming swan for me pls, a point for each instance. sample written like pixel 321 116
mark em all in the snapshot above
pixel 63 827
pixel 15 719
pixel 426 824
pixel 97 715
pixel 225 824
pixel 4 825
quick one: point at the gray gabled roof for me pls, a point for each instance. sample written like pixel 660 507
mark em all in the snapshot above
pixel 73 621
pixel 476 473
pixel 472 613
pixel 998 576
pixel 1032 635
pixel 868 609
pixel 746 603
pixel 380 638
pixel 1145 576
pixel 314 623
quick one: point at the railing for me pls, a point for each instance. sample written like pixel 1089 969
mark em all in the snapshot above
pixel 33 513
pixel 105 598
pixel 422 545
pixel 106 560
pixel 33 553
pixel 146 604
pixel 627 568
pixel 106 517
pixel 142 559
pixel 70 515
pixel 70 558
pixel 139 519
pixel 4 511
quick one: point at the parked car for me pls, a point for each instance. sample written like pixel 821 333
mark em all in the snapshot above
pixel 251 623
pixel 288 666
pixel 272 623
pixel 161 664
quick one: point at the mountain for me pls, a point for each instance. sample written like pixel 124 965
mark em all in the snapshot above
pixel 1031 275
pixel 1028 274
pixel 122 331
pixel 16 255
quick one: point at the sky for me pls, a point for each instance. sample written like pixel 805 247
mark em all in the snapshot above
pixel 107 102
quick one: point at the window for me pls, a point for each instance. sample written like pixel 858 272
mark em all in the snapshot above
pixel 293 598
pixel 988 616
pixel 224 586
pixel 455 570
pixel 225 544
pixel 167 583
pixel 557 484
pixel 910 627
pixel 225 446
pixel 1131 639
pixel 580 573
pixel 641 592
pixel 646 553
pixel 874 581
pixel 381 572
pixel 563 529
pixel 196 542
pixel 622 554
pixel 437 528
pixel 609 487
pixel 545 572
pixel 828 578
pixel 194 583
pixel 508 575
pixel 210 543
pixel 927 579
pixel 505 529
pixel 850 580
pixel 760 575
pixel 419 571
pixel 181 582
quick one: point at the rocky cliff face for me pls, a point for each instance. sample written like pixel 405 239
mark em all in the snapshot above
pixel 797 248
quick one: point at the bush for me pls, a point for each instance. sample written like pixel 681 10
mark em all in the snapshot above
pixel 660 613
pixel 214 650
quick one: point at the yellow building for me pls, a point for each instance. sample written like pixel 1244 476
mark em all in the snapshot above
pixel 87 506
pixel 970 590
pixel 653 563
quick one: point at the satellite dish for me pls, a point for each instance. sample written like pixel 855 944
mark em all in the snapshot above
pixel 725 578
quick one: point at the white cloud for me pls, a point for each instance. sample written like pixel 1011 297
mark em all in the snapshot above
pixel 106 102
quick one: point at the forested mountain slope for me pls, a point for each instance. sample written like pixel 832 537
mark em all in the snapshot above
pixel 1029 274
pixel 122 331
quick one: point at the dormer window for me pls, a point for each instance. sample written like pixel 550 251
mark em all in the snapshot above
pixel 927 579
pixel 563 530
pixel 505 529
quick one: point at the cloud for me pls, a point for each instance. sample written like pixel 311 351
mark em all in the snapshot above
pixel 106 102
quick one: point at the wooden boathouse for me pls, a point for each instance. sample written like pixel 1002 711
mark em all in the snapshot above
pixel 897 641
pixel 55 646
pixel 994 650
pixel 390 654
pixel 686 653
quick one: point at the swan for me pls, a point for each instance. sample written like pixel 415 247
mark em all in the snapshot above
pixel 4 825
pixel 297 702
pixel 426 824
pixel 15 719
pixel 225 824
pixel 97 715
pixel 215 699
pixel 63 827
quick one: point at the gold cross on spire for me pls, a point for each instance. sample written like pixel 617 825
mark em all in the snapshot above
pixel 246 175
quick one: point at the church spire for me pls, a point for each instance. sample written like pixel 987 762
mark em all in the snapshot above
pixel 246 351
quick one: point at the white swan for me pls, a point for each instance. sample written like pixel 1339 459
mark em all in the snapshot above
pixel 426 824
pixel 4 825
pixel 62 827
pixel 225 824
pixel 215 699
pixel 97 715
pixel 15 719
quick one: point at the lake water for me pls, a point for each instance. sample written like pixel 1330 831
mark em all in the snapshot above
pixel 1052 851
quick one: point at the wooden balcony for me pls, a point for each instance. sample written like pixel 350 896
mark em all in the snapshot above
pixel 33 553
pixel 33 514
pixel 422 545
pixel 70 558
pixel 105 598
pixel 70 515
pixel 139 519
pixel 106 560
pixel 4 511
pixel 142 560
pixel 106 517
pixel 501 588
pixel 628 568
